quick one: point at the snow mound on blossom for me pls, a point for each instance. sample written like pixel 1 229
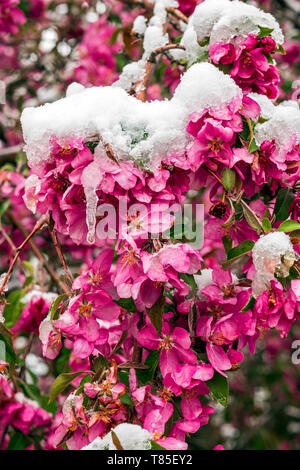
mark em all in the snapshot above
pixel 20 397
pixel 144 132
pixel 272 254
pixel 203 87
pixel 267 107
pixel 205 279
pixel 37 294
pixel 139 25
pixel 221 21
pixel 131 437
pixel 283 126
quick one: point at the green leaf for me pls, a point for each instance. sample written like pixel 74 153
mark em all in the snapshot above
pixel 250 304
pixel 263 32
pixel 155 446
pixel 61 382
pixel 85 379
pixel 127 304
pixel 266 224
pixel 218 386
pixel 99 365
pixel 4 206
pixel 62 361
pixel 228 179
pixel 227 243
pixel 251 219
pixel 12 311
pixel 5 331
pixel 54 311
pixel 114 36
pixel 18 441
pixel 10 355
pixel 238 251
pixel 29 267
pixel 269 59
pixel 120 61
pixel 145 376
pixel 126 400
pixel 253 147
pixel 281 49
pixel 91 146
pixel 155 313
pixel 284 199
pixel 189 280
pixel 123 375
pixel 34 393
pixel 289 226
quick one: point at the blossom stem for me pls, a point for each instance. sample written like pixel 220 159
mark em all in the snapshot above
pixel 212 173
pixel 250 128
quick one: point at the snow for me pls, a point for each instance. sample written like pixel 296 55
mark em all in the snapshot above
pixel 267 107
pixel 36 294
pixel 205 279
pixel 131 74
pixel 74 88
pixel 272 254
pixel 202 280
pixel 139 25
pixel 20 397
pixel 2 278
pixel 36 365
pixel 131 437
pixel 153 39
pixel 202 86
pixel 223 20
pixel 144 132
pixel 283 127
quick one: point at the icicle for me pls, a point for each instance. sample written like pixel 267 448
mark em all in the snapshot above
pixel 91 207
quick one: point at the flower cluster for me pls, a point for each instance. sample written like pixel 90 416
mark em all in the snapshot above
pixel 249 63
pixel 19 411
pixel 11 17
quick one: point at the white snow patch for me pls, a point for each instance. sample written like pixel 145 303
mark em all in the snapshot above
pixel 131 437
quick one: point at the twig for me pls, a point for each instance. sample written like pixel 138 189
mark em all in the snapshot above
pixel 18 250
pixel 109 151
pixel 10 151
pixel 141 85
pixel 177 13
pixel 26 352
pixel 37 252
pixel 10 242
pixel 132 365
pixel 61 256
pixel 120 342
